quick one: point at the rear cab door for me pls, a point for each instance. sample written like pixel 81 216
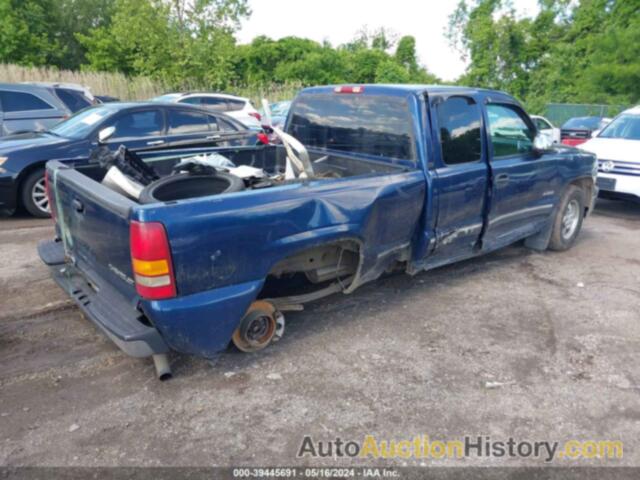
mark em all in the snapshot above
pixel 460 175
pixel 524 183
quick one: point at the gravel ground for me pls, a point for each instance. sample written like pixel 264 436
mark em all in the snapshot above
pixel 515 344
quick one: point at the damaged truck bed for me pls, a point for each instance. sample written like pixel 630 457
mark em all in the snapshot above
pixel 396 178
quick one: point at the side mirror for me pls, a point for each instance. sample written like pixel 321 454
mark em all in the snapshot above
pixel 105 134
pixel 542 143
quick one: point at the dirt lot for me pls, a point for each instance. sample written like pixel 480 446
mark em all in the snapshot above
pixel 534 346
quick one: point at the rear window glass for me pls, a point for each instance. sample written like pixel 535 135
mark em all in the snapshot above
pixel 21 102
pixel 225 126
pixel 192 101
pixel 74 100
pixel 182 122
pixel 235 105
pixel 213 103
pixel 375 125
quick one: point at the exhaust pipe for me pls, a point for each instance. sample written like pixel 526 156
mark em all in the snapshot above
pixel 163 369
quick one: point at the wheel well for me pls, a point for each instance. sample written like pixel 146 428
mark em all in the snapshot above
pixel 586 185
pixel 24 174
pixel 312 268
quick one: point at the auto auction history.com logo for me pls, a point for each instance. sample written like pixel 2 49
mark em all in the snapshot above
pixel 421 447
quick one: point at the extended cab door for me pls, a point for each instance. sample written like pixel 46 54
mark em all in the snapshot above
pixel 524 183
pixel 461 177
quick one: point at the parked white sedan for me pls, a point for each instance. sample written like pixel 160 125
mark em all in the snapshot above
pixel 238 107
pixel 617 147
pixel 545 126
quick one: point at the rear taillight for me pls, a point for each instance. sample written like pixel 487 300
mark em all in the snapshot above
pixel 47 189
pixel 151 261
pixel 256 115
pixel 349 89
pixel 263 138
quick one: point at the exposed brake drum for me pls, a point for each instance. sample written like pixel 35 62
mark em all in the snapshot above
pixel 260 326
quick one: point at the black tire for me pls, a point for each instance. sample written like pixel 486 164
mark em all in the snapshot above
pixel 33 196
pixel 568 221
pixel 183 186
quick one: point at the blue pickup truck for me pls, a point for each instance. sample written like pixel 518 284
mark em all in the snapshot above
pixel 402 178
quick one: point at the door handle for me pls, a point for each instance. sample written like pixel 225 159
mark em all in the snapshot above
pixel 77 205
pixel 214 137
pixel 502 179
pixel 155 142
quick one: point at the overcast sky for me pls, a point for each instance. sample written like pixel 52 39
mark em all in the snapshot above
pixel 339 20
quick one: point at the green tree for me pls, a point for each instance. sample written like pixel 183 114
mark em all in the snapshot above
pixel 75 17
pixel 181 42
pixel 363 65
pixel 581 52
pixel 25 34
pixel 406 54
pixel 390 71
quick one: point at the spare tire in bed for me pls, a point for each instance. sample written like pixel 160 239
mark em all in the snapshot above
pixel 183 186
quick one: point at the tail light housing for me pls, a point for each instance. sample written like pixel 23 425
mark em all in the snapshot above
pixel 256 115
pixel 349 89
pixel 263 138
pixel 151 261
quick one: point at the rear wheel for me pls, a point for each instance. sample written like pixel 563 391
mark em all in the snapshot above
pixel 568 221
pixel 34 195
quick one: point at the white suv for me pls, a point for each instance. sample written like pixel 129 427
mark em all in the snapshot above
pixel 236 107
pixel 617 147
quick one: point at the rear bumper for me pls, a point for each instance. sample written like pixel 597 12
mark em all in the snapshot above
pixel 200 324
pixel 104 306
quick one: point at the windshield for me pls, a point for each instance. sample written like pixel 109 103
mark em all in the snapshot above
pixel 82 123
pixel 625 126
pixel 375 125
pixel 280 109
pixel 583 123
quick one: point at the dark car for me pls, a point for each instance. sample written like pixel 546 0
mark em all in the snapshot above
pixel 135 125
pixel 106 99
pixel 578 130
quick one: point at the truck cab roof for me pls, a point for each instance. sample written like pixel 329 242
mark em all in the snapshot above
pixel 415 89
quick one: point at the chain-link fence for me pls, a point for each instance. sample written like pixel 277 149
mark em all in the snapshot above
pixel 559 113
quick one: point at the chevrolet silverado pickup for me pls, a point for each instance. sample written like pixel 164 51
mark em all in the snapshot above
pixel 368 179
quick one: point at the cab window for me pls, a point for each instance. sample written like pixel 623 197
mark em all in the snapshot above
pixel 542 125
pixel 21 102
pixel 139 124
pixel 510 133
pixel 183 122
pixel 74 100
pixel 460 133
